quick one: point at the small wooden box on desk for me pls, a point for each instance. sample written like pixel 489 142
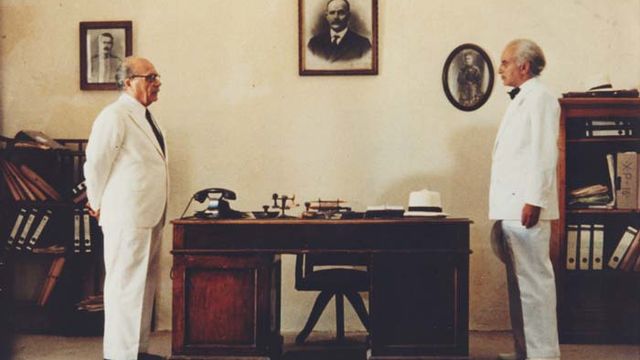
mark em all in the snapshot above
pixel 226 284
pixel 596 303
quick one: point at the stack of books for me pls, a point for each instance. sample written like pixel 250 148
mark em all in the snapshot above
pixel 623 190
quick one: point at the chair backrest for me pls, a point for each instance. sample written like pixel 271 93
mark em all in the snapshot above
pixel 306 263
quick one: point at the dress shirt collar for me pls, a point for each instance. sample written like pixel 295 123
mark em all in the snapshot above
pixel 526 86
pixel 340 34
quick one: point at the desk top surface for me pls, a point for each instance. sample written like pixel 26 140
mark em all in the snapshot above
pixel 298 221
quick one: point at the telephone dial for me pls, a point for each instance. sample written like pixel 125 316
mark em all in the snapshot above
pixel 217 204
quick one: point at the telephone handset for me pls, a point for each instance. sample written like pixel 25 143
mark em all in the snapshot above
pixel 203 194
pixel 217 206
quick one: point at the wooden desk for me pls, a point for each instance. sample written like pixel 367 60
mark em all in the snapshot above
pixel 226 284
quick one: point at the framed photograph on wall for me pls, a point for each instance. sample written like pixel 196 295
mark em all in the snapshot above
pixel 338 37
pixel 467 77
pixel 103 46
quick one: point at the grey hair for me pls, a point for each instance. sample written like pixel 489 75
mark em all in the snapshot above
pixel 124 72
pixel 529 51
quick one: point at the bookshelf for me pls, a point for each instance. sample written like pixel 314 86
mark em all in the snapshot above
pixel 45 281
pixel 594 305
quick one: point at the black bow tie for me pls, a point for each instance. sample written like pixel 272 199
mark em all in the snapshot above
pixel 514 92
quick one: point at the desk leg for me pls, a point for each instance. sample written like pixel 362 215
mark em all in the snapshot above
pixel 226 307
pixel 419 305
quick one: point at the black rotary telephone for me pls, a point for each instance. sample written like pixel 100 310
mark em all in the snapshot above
pixel 217 206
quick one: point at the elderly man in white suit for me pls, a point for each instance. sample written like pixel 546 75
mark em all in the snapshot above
pixel 523 198
pixel 127 185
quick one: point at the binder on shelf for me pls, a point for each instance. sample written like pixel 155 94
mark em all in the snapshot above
pixel 86 224
pixel 40 182
pixel 636 267
pixel 595 128
pixel 37 233
pixel 54 273
pixel 11 182
pixel 625 240
pixel 77 214
pixel 627 178
pixel 585 246
pixel 597 239
pixel 628 261
pixel 20 244
pixel 572 246
pixel 612 180
pixel 30 187
pixel 21 181
pixel 13 235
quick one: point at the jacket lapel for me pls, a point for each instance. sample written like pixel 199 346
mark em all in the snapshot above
pixel 146 129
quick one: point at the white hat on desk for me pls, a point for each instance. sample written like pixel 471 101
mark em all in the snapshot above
pixel 425 203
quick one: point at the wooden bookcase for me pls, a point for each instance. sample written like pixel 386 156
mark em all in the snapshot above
pixel 595 306
pixel 24 273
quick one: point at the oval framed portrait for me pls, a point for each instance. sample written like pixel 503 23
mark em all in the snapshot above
pixel 467 77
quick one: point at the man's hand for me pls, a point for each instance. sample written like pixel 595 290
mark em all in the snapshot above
pixel 94 213
pixel 530 215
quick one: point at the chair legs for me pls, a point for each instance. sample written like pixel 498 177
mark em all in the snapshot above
pixel 321 302
pixel 358 306
pixel 339 316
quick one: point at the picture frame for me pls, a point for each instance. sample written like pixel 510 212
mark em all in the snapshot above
pixel 103 46
pixel 353 52
pixel 467 77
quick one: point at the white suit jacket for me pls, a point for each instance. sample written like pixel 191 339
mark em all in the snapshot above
pixel 126 173
pixel 525 155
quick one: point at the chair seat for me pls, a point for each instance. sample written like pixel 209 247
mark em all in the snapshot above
pixel 336 280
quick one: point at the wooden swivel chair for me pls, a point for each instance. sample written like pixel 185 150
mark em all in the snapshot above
pixel 334 281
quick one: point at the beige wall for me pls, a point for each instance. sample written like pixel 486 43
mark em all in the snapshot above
pixel 236 114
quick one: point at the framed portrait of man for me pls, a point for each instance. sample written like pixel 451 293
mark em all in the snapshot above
pixel 467 77
pixel 103 46
pixel 338 37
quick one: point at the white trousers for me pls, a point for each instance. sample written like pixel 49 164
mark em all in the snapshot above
pixel 532 290
pixel 131 257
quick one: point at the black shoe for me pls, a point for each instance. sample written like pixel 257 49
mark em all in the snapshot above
pixel 146 356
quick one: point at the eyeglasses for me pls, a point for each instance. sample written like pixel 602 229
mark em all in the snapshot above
pixel 149 78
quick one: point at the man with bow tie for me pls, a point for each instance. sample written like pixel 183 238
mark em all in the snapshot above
pixel 523 199
pixel 127 182
pixel 339 43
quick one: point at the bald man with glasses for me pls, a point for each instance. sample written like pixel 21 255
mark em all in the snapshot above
pixel 127 178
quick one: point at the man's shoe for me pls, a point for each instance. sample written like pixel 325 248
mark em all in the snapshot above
pixel 146 356
pixel 509 356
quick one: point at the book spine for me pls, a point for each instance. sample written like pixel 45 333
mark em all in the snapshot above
pixel 627 170
pixel 16 226
pixel 572 246
pixel 25 230
pixel 628 261
pixel 38 232
pixel 87 230
pixel 598 246
pixel 622 247
pixel 76 230
pixel 585 246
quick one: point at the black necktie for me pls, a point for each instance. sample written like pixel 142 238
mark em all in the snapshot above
pixel 514 92
pixel 156 132
pixel 334 42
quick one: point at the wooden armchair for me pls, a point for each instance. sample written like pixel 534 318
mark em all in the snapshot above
pixel 335 278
